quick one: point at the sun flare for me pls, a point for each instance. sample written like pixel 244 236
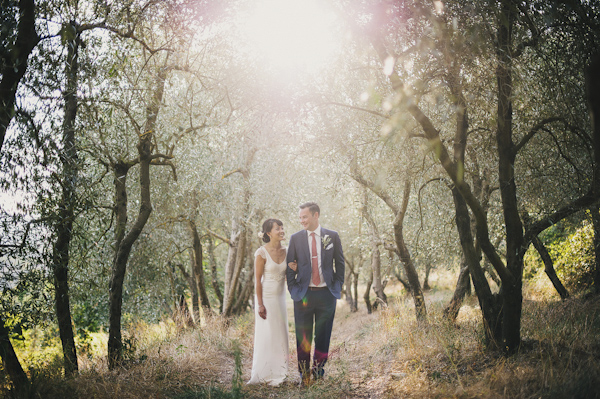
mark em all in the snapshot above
pixel 291 35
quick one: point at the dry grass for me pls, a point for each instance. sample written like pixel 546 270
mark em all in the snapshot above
pixel 382 355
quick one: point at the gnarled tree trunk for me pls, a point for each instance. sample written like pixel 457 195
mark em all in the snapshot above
pixel 409 267
pixel 66 210
pixel 228 288
pixel 595 211
pixel 592 80
pixel 367 294
pixel 239 237
pixel 402 249
pixel 511 292
pixel 462 286
pixel 549 268
pixel 124 242
pixel 13 71
pixel 11 363
pixel 375 254
pixel 213 271
pixel 351 281
pixel 193 286
pixel 115 343
pixel 198 268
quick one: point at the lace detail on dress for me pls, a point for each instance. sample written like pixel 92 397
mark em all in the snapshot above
pixel 274 276
pixel 272 271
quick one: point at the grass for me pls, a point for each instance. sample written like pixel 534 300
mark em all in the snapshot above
pixel 382 355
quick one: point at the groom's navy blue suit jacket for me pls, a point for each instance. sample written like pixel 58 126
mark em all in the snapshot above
pixel 331 255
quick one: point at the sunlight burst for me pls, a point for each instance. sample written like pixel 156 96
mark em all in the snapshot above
pixel 292 35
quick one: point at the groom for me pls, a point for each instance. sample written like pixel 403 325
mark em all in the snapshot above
pixel 314 287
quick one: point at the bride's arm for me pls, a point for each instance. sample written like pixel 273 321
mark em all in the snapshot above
pixel 259 268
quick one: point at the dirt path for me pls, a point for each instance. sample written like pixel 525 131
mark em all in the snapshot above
pixel 362 362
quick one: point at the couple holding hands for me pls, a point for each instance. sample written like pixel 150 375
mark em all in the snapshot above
pixel 313 265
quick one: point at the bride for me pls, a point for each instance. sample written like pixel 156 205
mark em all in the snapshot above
pixel 270 357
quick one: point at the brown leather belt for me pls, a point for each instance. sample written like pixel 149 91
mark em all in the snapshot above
pixel 317 288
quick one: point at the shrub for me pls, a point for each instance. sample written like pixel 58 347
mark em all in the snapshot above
pixel 573 257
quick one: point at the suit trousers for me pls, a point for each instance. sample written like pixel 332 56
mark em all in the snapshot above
pixel 317 310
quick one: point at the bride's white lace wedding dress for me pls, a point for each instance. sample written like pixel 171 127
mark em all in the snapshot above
pixel 271 348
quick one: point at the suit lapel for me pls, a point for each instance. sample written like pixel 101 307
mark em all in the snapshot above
pixel 324 232
pixel 304 244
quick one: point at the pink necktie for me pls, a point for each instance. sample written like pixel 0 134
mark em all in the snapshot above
pixel 315 262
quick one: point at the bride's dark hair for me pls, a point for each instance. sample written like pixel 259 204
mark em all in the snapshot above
pixel 268 226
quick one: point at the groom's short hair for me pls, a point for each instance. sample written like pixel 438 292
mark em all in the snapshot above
pixel 312 207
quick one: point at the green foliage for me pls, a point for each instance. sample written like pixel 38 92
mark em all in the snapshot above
pixel 575 258
pixel 572 252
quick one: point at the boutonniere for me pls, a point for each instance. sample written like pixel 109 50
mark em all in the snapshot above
pixel 326 240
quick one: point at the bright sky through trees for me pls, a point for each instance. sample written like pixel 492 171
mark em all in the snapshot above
pixel 291 35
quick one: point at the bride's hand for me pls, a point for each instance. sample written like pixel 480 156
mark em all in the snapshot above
pixel 293 265
pixel 262 312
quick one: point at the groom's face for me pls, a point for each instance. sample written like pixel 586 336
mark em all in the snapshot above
pixel 308 220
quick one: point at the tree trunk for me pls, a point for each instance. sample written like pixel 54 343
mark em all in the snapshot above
pixel 239 231
pixel 512 295
pixel 355 285
pixel 125 242
pixel 198 268
pixel 66 210
pixel 549 268
pixel 120 171
pixel 351 281
pixel 403 253
pixel 193 286
pixel 462 286
pixel 428 268
pixel 115 345
pixel 398 274
pixel 592 80
pixel 595 211
pixel 487 267
pixel 236 269
pixel 409 267
pixel 182 314
pixel 348 283
pixel 214 273
pixel 173 296
pixel 193 283
pixel 13 71
pixel 246 291
pixel 11 364
pixel 230 265
pixel 464 224
pixel 377 286
pixel 367 295
pixel 375 254
pixel 487 301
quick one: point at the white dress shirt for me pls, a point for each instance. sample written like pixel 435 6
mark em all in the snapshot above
pixel 317 232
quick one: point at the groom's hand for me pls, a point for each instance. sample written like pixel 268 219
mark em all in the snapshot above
pixel 293 265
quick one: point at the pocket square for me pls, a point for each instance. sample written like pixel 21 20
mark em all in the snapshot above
pixel 329 247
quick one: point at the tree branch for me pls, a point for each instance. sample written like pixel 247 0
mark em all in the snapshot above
pixel 220 237
pixel 533 131
pixel 369 111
